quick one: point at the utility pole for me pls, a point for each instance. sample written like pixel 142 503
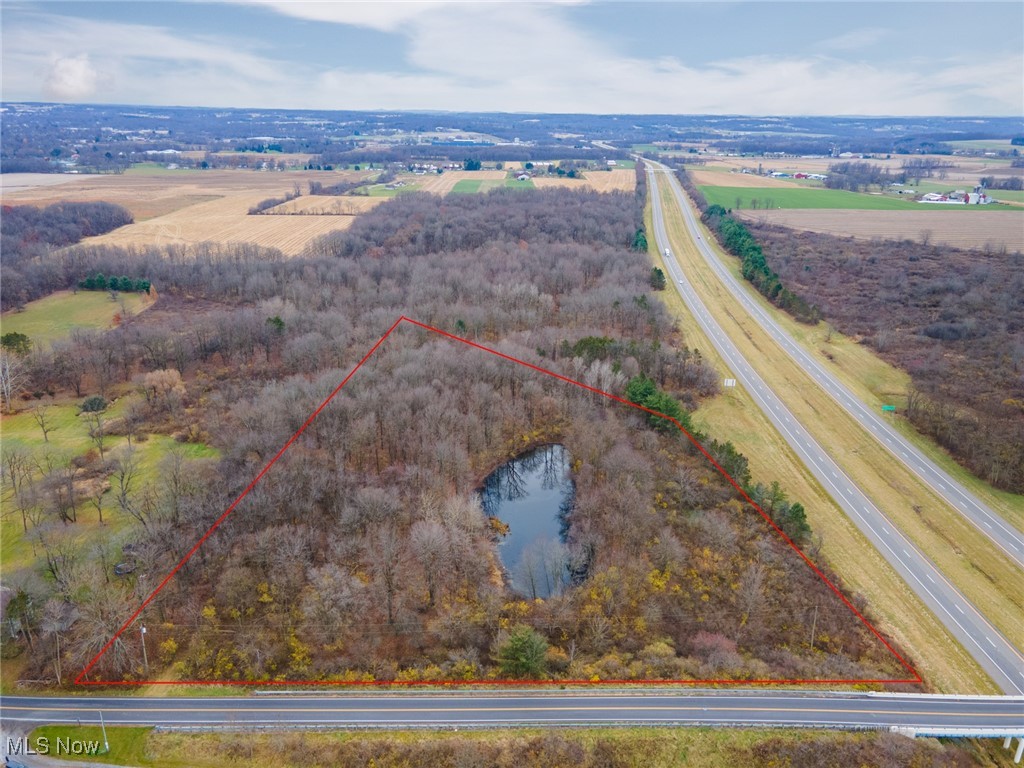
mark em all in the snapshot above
pixel 103 727
pixel 145 659
pixel 814 624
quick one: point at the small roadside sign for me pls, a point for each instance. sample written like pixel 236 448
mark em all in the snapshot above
pixel 730 382
pixel 889 408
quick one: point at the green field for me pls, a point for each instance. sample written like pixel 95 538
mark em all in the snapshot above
pixel 70 437
pixel 982 144
pixel 381 190
pixel 57 315
pixel 782 197
pixel 127 745
pixel 1011 195
pixel 472 186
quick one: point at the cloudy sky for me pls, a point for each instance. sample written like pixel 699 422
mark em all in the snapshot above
pixel 823 57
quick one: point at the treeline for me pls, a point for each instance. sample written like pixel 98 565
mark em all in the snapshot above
pixel 993 182
pixel 341 188
pixel 953 319
pixel 100 282
pixel 341 156
pixel 29 234
pixel 364 554
pixel 273 202
pixel 737 239
pixel 857 177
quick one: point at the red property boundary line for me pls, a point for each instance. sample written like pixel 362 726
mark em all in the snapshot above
pixel 80 680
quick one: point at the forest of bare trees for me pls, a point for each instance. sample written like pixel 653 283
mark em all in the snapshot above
pixel 953 319
pixel 364 553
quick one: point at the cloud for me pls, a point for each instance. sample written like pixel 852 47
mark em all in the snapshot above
pixel 134 63
pixel 854 40
pixel 382 15
pixel 70 78
pixel 482 57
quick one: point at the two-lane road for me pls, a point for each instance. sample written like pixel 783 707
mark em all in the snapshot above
pixel 995 716
pixel 996 655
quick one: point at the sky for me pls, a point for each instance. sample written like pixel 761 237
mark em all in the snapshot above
pixel 761 57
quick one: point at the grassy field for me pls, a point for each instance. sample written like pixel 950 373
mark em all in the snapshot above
pixel 734 416
pixel 982 144
pixel 964 555
pixel 57 315
pixel 70 437
pixel 1010 195
pixel 798 197
pixel 623 747
pixel 468 186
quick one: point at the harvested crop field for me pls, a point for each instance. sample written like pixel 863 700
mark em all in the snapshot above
pixel 150 195
pixel 734 179
pixel 967 229
pixel 223 221
pixel 324 205
pixel 188 207
pixel 442 184
pixel 620 179
pixel 965 170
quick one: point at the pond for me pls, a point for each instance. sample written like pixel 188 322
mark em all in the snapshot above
pixel 533 494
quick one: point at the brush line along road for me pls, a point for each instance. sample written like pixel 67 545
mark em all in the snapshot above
pixel 996 655
pixel 932 715
pixel 941 483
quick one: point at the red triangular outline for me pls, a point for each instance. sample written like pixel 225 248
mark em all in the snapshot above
pixel 916 679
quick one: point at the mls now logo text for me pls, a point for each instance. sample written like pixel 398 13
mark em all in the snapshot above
pixel 43 745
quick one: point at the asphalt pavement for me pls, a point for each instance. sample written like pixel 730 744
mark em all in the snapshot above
pixel 983 715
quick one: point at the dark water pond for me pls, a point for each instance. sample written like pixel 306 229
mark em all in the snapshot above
pixel 533 495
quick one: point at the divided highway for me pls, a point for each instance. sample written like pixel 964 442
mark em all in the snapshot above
pixel 989 522
pixel 933 715
pixel 994 653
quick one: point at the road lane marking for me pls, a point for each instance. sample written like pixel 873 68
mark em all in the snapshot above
pixel 234 711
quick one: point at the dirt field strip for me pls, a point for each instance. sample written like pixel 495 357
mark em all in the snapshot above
pixel 963 229
pixel 984 574
pixel 734 416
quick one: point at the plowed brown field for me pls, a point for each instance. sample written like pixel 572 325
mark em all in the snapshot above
pixel 963 229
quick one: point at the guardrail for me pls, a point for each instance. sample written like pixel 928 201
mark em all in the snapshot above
pixel 472 726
